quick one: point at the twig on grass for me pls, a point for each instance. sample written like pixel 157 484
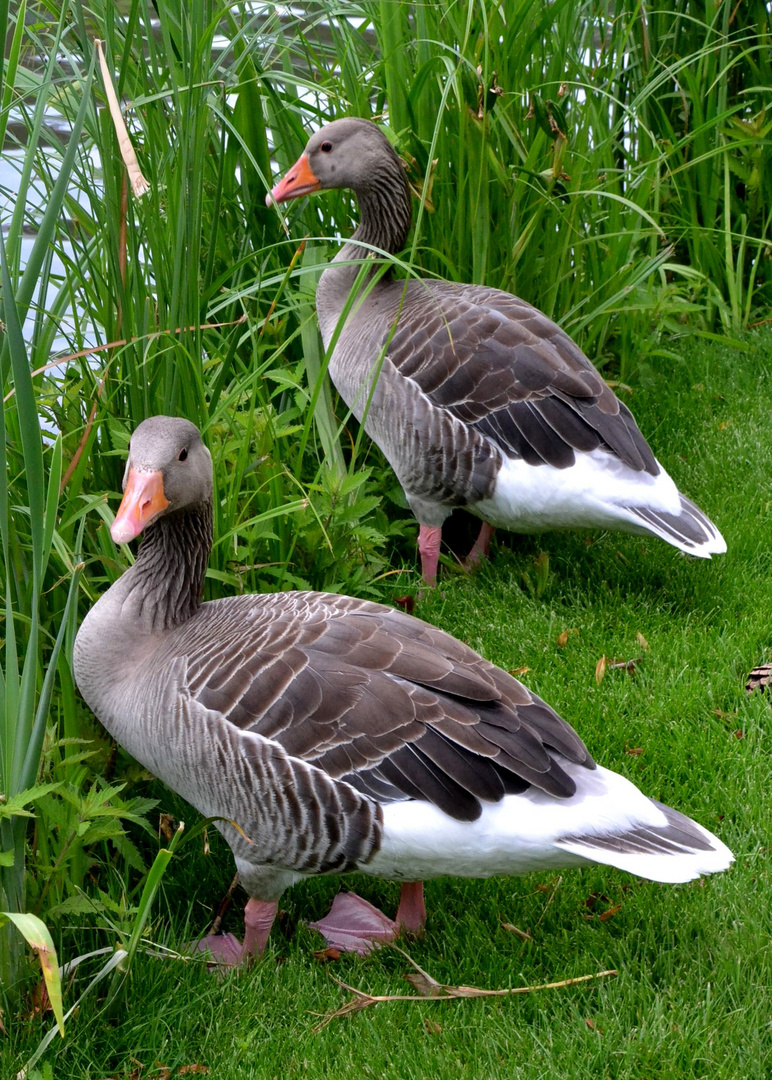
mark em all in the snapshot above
pixel 429 988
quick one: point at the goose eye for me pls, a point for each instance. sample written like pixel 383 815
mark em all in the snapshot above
pixel 183 454
pixel 326 147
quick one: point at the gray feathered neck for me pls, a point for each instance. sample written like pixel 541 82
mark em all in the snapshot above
pixel 385 210
pixel 166 583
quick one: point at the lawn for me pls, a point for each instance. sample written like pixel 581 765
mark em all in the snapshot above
pixel 692 996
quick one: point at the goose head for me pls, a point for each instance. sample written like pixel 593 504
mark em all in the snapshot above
pixel 168 470
pixel 348 153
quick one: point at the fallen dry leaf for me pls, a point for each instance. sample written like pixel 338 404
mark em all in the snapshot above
pixel 642 641
pixel 167 826
pixel 185 1070
pixel 432 1026
pixel 592 1026
pixel 634 751
pixel 609 913
pixel 739 733
pixel 424 984
pixel 519 671
pixel 325 955
pixel 626 665
pixel 563 638
pixel 407 603
pixel 600 670
pixel 592 902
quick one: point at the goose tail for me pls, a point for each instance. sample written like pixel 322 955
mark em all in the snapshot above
pixel 689 530
pixel 675 849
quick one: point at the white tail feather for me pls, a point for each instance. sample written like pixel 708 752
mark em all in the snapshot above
pixel 607 821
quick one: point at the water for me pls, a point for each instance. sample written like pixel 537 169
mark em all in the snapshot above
pixel 57 131
pixel 11 166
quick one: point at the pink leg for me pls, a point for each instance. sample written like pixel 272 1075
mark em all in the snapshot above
pixel 258 920
pixel 226 950
pixel 429 537
pixel 411 913
pixel 481 547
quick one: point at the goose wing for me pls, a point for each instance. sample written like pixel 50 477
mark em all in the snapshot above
pixel 505 369
pixel 376 698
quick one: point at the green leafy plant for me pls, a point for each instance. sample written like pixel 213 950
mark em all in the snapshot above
pixel 611 164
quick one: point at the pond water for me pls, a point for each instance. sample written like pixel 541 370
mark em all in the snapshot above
pixel 11 165
pixel 57 129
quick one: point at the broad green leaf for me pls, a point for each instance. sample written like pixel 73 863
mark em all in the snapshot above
pixel 37 936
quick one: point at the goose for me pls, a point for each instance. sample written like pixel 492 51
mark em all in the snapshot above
pixel 328 734
pixel 475 397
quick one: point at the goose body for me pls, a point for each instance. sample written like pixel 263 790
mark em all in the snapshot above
pixel 475 397
pixel 339 734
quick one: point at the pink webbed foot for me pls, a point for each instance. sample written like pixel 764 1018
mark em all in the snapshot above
pixel 227 951
pixel 429 538
pixel 354 925
pixel 481 547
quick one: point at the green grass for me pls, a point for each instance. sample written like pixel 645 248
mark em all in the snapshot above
pixel 633 206
pixel 693 997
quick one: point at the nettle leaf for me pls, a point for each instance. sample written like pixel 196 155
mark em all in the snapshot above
pixel 102 830
pixel 129 851
pixel 74 905
pixel 16 805
pixel 97 801
pixel 76 759
pixel 59 810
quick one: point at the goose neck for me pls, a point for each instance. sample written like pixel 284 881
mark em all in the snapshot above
pixel 385 211
pixel 385 216
pixel 166 583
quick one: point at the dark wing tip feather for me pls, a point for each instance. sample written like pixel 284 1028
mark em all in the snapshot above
pixel 691 530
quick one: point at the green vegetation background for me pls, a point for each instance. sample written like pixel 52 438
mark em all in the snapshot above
pixel 610 165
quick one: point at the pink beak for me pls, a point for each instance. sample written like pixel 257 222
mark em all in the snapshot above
pixel 300 180
pixel 143 499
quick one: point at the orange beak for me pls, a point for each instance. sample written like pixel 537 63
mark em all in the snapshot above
pixel 300 180
pixel 143 499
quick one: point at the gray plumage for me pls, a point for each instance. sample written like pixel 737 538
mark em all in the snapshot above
pixel 310 709
pixel 456 382
pixel 307 718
